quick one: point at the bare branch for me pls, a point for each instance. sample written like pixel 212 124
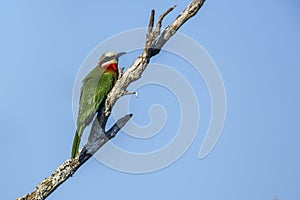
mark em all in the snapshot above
pixel 96 140
pixel 151 22
pixel 155 40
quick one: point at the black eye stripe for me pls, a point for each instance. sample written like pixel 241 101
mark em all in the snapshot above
pixel 106 59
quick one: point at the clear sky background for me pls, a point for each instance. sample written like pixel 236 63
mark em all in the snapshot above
pixel 256 47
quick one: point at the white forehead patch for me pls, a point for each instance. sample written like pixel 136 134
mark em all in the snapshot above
pixel 109 54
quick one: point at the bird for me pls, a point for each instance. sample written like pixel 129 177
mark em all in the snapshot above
pixel 95 87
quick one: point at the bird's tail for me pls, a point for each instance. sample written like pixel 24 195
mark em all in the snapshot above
pixel 76 142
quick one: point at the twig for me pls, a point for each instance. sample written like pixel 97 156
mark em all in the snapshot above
pixel 155 40
pixel 159 21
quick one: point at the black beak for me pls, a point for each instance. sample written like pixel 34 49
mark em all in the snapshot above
pixel 119 54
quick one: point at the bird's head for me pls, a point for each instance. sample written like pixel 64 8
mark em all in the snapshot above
pixel 110 60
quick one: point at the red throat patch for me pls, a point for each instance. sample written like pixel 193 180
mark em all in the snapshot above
pixel 111 67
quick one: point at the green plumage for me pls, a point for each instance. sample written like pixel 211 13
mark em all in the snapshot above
pixel 95 87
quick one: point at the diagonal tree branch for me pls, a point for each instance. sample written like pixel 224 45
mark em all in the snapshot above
pixel 70 166
pixel 155 40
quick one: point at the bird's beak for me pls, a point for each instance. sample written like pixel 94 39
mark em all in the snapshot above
pixel 120 54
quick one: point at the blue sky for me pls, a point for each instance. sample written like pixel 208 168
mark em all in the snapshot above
pixel 256 48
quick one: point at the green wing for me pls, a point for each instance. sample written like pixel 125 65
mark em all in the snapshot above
pixel 96 85
pixel 95 88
